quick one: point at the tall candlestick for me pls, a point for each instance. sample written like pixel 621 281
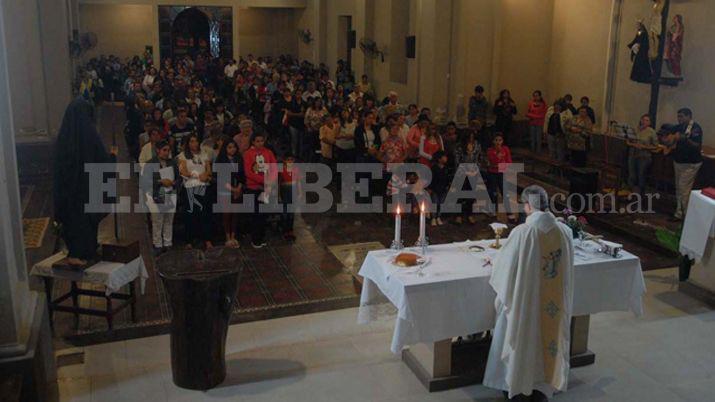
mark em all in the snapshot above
pixel 398 225
pixel 423 219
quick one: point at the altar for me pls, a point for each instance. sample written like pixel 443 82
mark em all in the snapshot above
pixel 450 297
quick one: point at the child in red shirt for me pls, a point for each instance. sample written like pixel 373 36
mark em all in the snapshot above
pixel 499 157
pixel 259 164
pixel 289 181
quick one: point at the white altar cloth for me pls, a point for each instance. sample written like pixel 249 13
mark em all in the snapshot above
pixel 699 225
pixel 454 297
pixel 112 275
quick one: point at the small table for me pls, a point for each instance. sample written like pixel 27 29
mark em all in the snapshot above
pixel 454 299
pixel 112 275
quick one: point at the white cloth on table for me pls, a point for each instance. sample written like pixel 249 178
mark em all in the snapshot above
pixel 454 297
pixel 112 275
pixel 699 225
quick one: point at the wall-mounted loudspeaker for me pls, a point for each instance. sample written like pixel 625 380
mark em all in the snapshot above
pixel 410 47
pixel 352 39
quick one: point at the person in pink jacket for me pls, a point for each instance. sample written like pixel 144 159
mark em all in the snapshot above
pixel 536 113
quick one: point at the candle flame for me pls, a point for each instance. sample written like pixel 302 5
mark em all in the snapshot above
pixel 422 207
pixel 398 209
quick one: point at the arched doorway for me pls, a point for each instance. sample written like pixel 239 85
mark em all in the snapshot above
pixel 191 33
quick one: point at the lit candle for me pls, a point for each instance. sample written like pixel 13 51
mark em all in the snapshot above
pixel 398 225
pixel 423 219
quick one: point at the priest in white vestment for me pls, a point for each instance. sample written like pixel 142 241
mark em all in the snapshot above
pixel 533 280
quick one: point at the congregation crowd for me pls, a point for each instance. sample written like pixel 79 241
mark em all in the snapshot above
pixel 264 115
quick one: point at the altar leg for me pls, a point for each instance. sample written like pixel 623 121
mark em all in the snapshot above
pixel 75 304
pixel 580 355
pixel 49 284
pixel 447 365
pixel 109 313
pixel 431 363
pixel 133 295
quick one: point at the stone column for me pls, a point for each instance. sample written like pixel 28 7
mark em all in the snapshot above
pixel 25 340
pixel 54 27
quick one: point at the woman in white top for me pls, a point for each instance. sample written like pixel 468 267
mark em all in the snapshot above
pixel 344 142
pixel 195 169
pixel 149 78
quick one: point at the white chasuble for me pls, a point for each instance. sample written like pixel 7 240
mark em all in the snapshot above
pixel 533 280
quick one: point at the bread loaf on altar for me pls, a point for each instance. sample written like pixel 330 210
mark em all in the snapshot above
pixel 407 259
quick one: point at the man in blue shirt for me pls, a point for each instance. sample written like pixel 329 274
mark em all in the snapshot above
pixel 686 150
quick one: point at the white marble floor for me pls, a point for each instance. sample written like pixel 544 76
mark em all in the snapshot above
pixel 666 355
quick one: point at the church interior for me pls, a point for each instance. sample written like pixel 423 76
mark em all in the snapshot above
pixel 338 200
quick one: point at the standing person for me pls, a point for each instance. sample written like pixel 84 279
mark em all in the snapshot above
pixel 149 149
pixel 181 129
pixel 450 139
pixel 344 141
pixel 161 202
pixel 366 86
pixel 328 130
pixel 367 141
pixel 533 281
pixel 413 113
pixel 245 133
pixel 78 143
pixel 430 143
pixel 439 186
pixel 259 163
pixel 466 161
pixel 313 121
pixel 579 130
pixel 504 109
pixel 585 102
pixel 568 104
pixel 293 109
pixel 478 106
pixel 415 135
pixel 499 158
pixel 556 139
pixel 640 150
pixel 686 150
pixel 231 191
pixel 536 113
pixel 195 169
pixel 289 181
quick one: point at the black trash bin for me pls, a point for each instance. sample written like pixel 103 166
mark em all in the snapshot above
pixel 201 290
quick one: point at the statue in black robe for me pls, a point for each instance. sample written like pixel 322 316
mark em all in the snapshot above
pixel 642 70
pixel 77 143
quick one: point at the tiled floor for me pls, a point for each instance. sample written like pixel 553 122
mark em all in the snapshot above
pixel 666 355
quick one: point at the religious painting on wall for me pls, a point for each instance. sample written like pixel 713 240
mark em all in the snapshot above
pixel 195 30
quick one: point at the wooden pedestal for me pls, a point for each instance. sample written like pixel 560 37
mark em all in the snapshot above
pixel 449 364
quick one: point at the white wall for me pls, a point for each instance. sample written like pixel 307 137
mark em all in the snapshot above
pixel 123 30
pixel 267 31
pixel 24 51
pixel 579 51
